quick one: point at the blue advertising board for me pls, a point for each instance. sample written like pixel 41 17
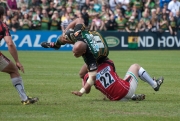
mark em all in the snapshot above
pixel 31 40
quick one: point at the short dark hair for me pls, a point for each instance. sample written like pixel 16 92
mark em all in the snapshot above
pixel 2 10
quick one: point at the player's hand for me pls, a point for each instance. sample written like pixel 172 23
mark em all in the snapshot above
pixel 77 93
pixel 20 66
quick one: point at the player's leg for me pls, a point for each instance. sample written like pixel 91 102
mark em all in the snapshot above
pixel 8 67
pixel 131 77
pixel 68 38
pixel 137 70
pixel 133 72
pixel 143 75
pixel 83 71
pixel 56 45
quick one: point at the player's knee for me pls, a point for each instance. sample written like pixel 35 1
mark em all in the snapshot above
pixel 12 71
pixel 135 66
pixel 81 75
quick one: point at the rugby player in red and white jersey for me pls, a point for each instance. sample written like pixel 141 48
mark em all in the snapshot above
pixel 116 88
pixel 8 66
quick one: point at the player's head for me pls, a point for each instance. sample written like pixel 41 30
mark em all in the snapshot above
pixel 79 48
pixel 1 12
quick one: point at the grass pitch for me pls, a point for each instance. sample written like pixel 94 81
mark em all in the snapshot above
pixel 52 76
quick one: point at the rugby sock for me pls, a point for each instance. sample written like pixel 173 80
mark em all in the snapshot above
pixel 143 75
pixel 18 84
pixel 58 41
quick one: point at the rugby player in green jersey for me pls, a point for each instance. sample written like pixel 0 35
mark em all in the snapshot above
pixel 88 44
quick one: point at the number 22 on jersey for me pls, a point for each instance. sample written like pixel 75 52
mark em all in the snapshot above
pixel 105 77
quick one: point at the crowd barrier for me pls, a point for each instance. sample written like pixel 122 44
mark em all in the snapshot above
pixel 30 40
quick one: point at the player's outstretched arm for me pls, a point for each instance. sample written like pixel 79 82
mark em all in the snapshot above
pixel 87 87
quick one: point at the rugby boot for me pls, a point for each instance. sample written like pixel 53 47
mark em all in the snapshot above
pixel 138 97
pixel 30 100
pixel 50 45
pixel 159 82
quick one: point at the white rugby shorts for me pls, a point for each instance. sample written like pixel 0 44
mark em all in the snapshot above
pixel 133 85
pixel 4 61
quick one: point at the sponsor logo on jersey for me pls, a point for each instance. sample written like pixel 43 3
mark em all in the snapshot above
pixel 92 67
pixel 112 41
pixel 105 70
pixel 102 72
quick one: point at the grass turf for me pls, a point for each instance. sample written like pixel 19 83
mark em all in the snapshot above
pixel 52 76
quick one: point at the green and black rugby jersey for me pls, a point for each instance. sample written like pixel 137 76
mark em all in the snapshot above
pixel 97 50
